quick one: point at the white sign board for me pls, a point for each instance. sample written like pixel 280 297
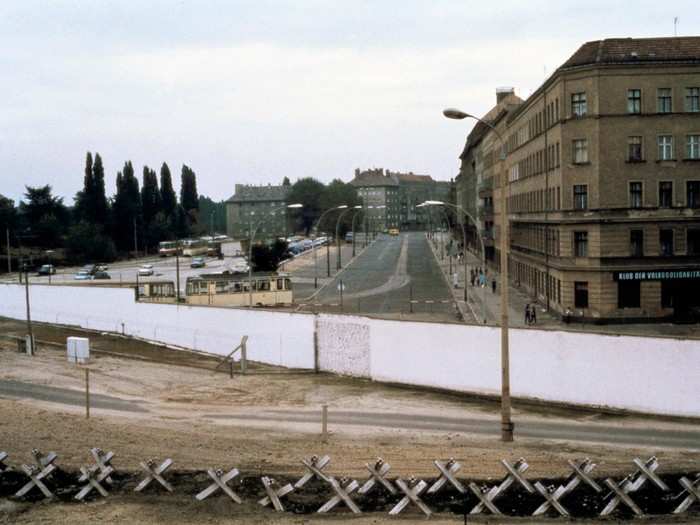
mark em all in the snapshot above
pixel 78 350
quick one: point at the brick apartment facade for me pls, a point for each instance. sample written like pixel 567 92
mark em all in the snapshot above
pixel 252 206
pixel 603 194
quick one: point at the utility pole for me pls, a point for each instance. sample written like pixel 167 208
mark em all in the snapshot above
pixel 177 272
pixel 30 334
pixel 328 256
pixel 9 257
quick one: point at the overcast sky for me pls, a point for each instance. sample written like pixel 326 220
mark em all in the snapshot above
pixel 251 91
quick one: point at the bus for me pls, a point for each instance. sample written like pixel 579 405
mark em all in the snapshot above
pixel 167 248
pixel 224 289
pixel 156 292
pixel 194 247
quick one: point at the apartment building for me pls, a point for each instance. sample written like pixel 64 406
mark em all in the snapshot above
pixel 257 206
pixel 603 182
pixel 391 196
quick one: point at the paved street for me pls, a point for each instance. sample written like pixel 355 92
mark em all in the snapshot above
pixel 383 279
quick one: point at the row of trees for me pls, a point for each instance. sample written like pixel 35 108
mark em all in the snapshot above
pixel 317 198
pixel 96 227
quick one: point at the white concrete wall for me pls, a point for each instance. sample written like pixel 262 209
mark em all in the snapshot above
pixel 656 375
pixel 274 337
pixel 645 374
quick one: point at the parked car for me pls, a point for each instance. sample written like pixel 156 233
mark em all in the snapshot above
pixel 393 231
pixel 348 237
pixel 46 269
pixel 82 275
pixel 146 269
pixel 101 275
pixel 198 262
pixel 102 267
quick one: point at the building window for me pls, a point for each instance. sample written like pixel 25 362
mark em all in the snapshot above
pixel 693 193
pixel 580 197
pixel 692 99
pixel 634 101
pixel 664 102
pixel 580 244
pixel 628 294
pixel 634 149
pixel 635 194
pixel 578 104
pixel 665 143
pixel 693 242
pixel 665 194
pixel 580 151
pixel 666 242
pixel 692 147
pixel 581 294
pixel 637 243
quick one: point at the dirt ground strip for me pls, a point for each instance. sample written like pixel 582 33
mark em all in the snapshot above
pixel 180 391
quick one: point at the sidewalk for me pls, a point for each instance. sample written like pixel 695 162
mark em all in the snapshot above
pixel 482 302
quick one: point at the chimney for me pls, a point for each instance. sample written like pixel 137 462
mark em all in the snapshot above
pixel 503 92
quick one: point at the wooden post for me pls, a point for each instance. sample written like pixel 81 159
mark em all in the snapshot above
pixel 244 356
pixel 324 424
pixel 87 393
pixel 231 367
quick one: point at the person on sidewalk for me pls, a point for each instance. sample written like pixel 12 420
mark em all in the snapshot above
pixel 533 314
pixel 527 314
pixel 455 280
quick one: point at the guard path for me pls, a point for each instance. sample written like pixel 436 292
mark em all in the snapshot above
pixel 65 396
pixel 585 431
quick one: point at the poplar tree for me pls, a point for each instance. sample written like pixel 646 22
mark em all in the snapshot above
pixel 150 196
pixel 167 193
pixel 188 190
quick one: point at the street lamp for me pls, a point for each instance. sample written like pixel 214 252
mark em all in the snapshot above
pixel 353 228
pixel 314 232
pixel 48 255
pixel 30 333
pixel 250 249
pixel 337 233
pixel 506 423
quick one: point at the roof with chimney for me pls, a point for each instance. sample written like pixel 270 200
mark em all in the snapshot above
pixel 269 193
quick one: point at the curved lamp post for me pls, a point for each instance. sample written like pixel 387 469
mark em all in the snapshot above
pixel 506 423
pixel 250 249
pixel 337 233
pixel 357 214
pixel 314 231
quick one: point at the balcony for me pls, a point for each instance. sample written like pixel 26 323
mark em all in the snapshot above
pixel 485 212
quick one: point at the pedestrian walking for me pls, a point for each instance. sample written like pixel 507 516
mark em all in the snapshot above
pixel 527 314
pixel 455 280
pixel 533 315
pixel 567 315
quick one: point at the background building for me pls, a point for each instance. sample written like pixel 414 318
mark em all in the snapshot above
pixel 397 194
pixel 252 204
pixel 603 164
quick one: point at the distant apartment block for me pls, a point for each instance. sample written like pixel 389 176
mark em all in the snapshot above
pixel 391 197
pixel 252 206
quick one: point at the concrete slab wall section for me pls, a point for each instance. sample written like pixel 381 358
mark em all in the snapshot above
pixel 276 338
pixel 646 374
pixel 344 345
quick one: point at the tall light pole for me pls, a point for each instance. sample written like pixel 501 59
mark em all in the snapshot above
pixel 30 333
pixel 357 214
pixel 337 234
pixel 506 422
pixel 314 232
pixel 250 249
pixel 48 254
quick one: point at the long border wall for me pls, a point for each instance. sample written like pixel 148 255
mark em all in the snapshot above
pixel 646 374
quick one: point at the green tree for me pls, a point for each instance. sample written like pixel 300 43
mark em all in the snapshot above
pixel 188 189
pixel 87 242
pixel 150 196
pixel 126 208
pixel 306 191
pixel 338 193
pixel 180 225
pixel 266 258
pixel 8 216
pixel 168 198
pixel 286 182
pixel 212 214
pixel 100 209
pixel 91 202
pixel 44 218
